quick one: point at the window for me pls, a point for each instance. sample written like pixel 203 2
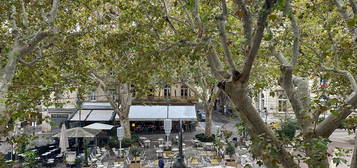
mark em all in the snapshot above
pixel 59 116
pixel 184 91
pixel 133 90
pixel 113 94
pixel 282 103
pixel 92 95
pixel 151 93
pixel 262 98
pixel 167 91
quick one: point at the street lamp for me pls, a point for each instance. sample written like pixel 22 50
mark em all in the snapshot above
pixel 179 162
pixel 120 134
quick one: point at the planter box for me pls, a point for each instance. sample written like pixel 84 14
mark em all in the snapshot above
pixel 135 165
pixel 231 162
pixel 121 159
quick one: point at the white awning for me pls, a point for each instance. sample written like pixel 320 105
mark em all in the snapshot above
pixel 185 113
pixel 99 126
pixel 80 115
pixel 161 112
pixel 147 113
pixel 100 115
pixel 93 115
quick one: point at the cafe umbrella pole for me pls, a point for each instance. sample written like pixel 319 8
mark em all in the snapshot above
pixel 179 162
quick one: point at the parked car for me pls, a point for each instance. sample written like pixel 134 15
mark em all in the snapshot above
pixel 201 116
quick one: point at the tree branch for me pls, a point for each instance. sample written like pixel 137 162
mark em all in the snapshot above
pixel 222 34
pixel 52 15
pixel 31 45
pixel 255 45
pixel 340 9
pixel 167 17
pixel 15 30
pixel 25 19
pixel 346 73
pixel 216 65
pixel 104 87
pixel 187 13
pixel 247 21
pixel 353 6
pixel 296 32
pixel 346 17
pixel 327 126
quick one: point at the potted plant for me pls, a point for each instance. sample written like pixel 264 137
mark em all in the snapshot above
pixel 135 151
pixel 167 151
pixel 30 159
pixel 230 150
pixel 78 162
pixel 85 164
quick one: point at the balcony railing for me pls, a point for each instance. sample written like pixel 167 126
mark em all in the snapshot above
pixel 167 99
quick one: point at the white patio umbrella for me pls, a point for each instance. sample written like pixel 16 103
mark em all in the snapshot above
pixel 79 132
pixel 63 144
pixel 99 126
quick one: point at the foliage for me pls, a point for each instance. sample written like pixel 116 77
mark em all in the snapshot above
pixel 113 142
pixel 350 124
pixel 227 134
pixel 78 160
pixel 288 129
pixel 230 150
pixel 167 148
pixel 203 138
pixel 241 128
pixel 86 155
pixel 30 159
pixel 135 151
pixel 218 144
pixel 339 156
pixel 126 142
pixel 21 141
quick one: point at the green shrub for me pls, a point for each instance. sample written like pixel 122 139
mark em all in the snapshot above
pixel 126 142
pixel 203 138
pixel 135 151
pixel 30 159
pixel 230 150
pixel 135 138
pixel 167 148
pixel 113 142
pixel 288 129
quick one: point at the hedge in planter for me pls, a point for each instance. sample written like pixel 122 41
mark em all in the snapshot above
pixel 203 138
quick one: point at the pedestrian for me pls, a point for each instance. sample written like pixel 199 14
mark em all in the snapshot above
pixel 161 162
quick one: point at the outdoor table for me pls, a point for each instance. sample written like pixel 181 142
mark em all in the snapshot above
pixel 175 149
pixel 159 153
pixel 161 141
pixel 147 143
pixel 143 138
pixel 196 142
pixel 161 146
pixel 45 154
pixel 214 161
pixel 209 145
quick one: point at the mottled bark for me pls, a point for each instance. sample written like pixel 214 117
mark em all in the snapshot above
pixel 125 123
pixel 238 94
pixel 122 109
pixel 354 154
pixel 208 128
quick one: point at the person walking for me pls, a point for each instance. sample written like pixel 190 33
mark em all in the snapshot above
pixel 161 162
